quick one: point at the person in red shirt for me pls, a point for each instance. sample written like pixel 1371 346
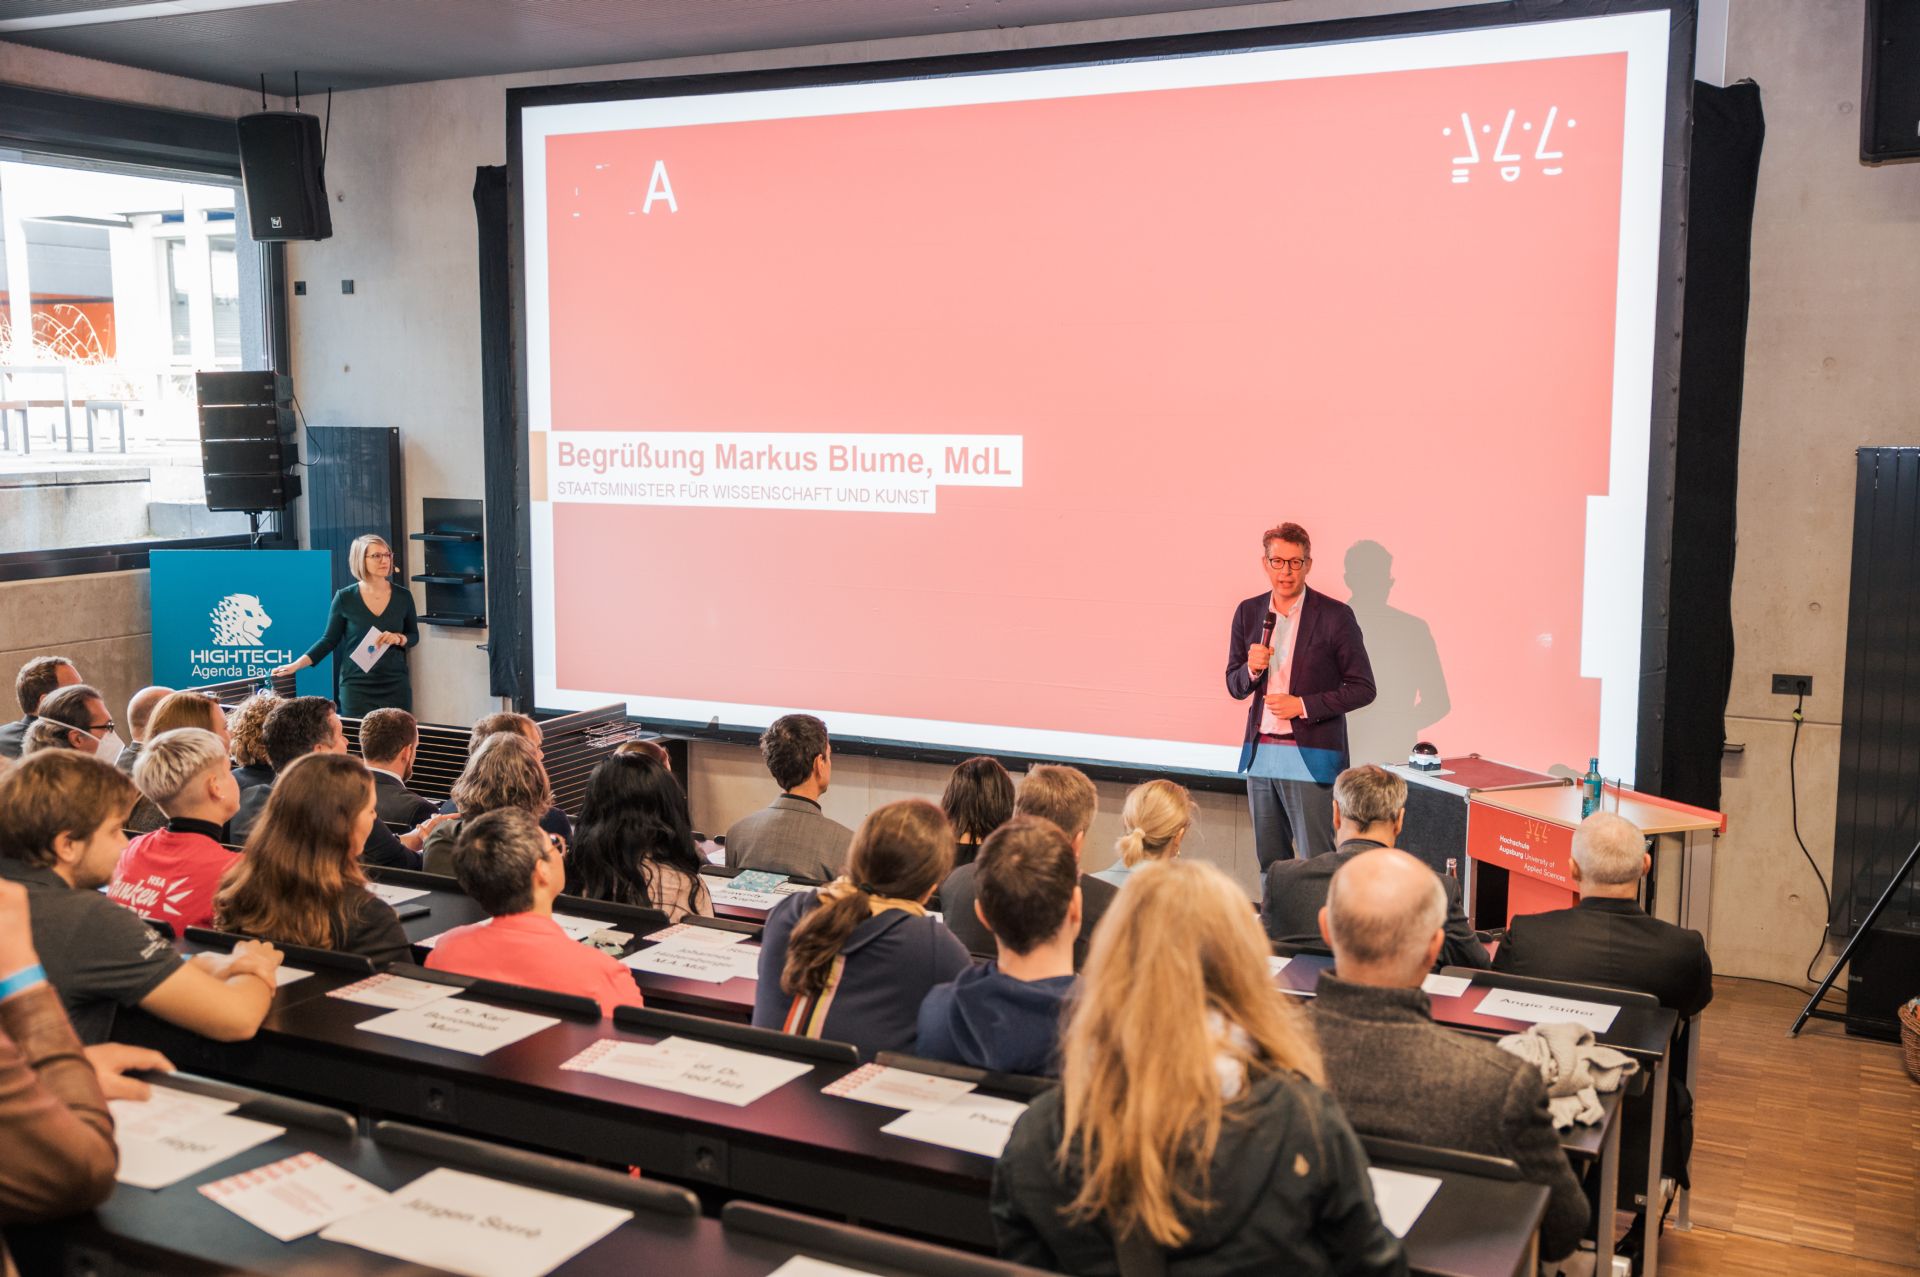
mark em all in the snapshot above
pixel 170 875
pixel 513 869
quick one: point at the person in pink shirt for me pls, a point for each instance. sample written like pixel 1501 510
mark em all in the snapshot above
pixel 170 875
pixel 511 868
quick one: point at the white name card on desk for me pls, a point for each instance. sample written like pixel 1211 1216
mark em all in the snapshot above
pixel 479 1227
pixel 187 1150
pixel 746 897
pixel 688 933
pixel 1541 1008
pixel 700 1069
pixel 972 1123
pixel 698 960
pixel 1446 986
pixel 1277 964
pixel 396 895
pixel 164 1112
pixel 804 1266
pixel 468 1027
pixel 394 992
pixel 897 1088
pixel 294 1196
pixel 284 976
pixel 1401 1197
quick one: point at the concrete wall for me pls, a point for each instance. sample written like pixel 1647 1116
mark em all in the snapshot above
pixel 100 622
pixel 1836 287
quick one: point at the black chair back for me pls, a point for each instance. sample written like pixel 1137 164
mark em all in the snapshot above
pixel 862 1247
pixel 298 955
pixel 1023 1085
pixel 569 1178
pixel 1556 988
pixel 1400 1154
pixel 768 1041
pixel 260 1104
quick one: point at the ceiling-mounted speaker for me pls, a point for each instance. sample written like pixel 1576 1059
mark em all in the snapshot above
pixel 283 167
pixel 1890 82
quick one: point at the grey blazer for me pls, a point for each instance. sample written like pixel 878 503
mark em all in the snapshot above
pixel 791 835
pixel 1399 1075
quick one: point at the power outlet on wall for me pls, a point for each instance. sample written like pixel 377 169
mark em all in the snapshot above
pixel 1793 684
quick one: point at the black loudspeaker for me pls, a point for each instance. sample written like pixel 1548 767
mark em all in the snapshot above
pixel 283 167
pixel 246 440
pixel 1890 82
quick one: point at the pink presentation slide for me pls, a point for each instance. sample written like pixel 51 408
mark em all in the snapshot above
pixel 973 414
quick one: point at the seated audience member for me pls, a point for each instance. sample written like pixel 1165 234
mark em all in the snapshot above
pixel 1189 1119
pixel 140 709
pixel 1005 1015
pixel 389 738
pixel 978 800
pixel 298 880
pixel 852 961
pixel 514 869
pixel 1397 1073
pixel 651 748
pixel 37 678
pixel 1369 809
pixel 57 1156
pixel 504 772
pixel 76 718
pixel 305 725
pixel 1065 796
pixel 60 837
pixel 1156 819
pixel 171 873
pixel 177 710
pixel 1609 939
pixel 553 820
pixel 248 725
pixel 793 834
pixel 634 845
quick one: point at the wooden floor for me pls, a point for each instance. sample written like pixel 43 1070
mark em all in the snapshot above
pixel 1806 1155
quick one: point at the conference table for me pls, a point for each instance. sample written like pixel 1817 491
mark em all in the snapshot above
pixel 795 1146
pixel 178 1229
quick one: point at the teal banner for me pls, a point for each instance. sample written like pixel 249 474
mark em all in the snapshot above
pixel 219 615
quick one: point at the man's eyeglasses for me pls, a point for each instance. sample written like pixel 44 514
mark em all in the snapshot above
pixel 99 727
pixel 1293 565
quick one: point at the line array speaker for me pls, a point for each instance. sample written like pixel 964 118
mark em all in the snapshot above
pixel 246 441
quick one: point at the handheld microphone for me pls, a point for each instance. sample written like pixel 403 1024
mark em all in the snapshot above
pixel 1266 635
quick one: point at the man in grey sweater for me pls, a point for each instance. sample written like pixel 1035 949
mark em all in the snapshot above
pixel 1401 1076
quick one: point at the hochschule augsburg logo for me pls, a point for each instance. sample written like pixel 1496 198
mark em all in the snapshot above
pixel 239 621
pixel 239 625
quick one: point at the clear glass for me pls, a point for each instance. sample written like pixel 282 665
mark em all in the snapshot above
pixel 116 287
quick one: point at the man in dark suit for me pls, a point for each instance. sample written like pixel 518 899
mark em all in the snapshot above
pixel 1609 939
pixel 1396 1073
pixel 309 725
pixel 1369 808
pixel 1309 674
pixel 37 679
pixel 388 740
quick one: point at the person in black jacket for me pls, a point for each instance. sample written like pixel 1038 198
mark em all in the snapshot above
pixel 1609 939
pixel 389 738
pixel 1178 973
pixel 298 880
pixel 306 725
pixel 1369 810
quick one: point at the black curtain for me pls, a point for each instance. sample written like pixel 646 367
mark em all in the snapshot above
pixel 1728 129
pixel 507 585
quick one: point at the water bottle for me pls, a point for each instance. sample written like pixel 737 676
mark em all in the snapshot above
pixel 1590 789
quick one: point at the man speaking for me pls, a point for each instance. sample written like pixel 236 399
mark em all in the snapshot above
pixel 1301 657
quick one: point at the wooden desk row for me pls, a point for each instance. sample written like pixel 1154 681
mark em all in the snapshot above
pixel 795 1146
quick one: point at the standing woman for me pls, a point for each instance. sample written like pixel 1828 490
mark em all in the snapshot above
pixel 372 602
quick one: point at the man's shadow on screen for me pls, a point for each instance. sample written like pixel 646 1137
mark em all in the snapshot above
pixel 1406 664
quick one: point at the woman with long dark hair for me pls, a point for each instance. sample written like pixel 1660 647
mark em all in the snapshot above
pixel 634 842
pixel 298 880
pixel 852 961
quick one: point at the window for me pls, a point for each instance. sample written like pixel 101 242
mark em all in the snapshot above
pixel 117 285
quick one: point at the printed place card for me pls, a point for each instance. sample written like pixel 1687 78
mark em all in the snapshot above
pixel 700 1069
pixel 468 1027
pixel 688 932
pixel 396 895
pixel 294 1196
pixel 1401 1197
pixel 972 1123
pixel 698 960
pixel 1540 1008
pixel 284 976
pixel 394 992
pixel 169 1159
pixel 478 1227
pixel 1446 986
pixel 897 1088
pixel 164 1112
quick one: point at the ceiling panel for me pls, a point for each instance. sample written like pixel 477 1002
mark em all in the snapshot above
pixel 356 44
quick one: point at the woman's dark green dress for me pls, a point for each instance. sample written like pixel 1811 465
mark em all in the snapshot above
pixel 387 684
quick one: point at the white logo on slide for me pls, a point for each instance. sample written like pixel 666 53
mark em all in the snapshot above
pixel 1508 146
pixel 239 621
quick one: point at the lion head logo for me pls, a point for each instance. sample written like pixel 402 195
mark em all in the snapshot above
pixel 239 621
